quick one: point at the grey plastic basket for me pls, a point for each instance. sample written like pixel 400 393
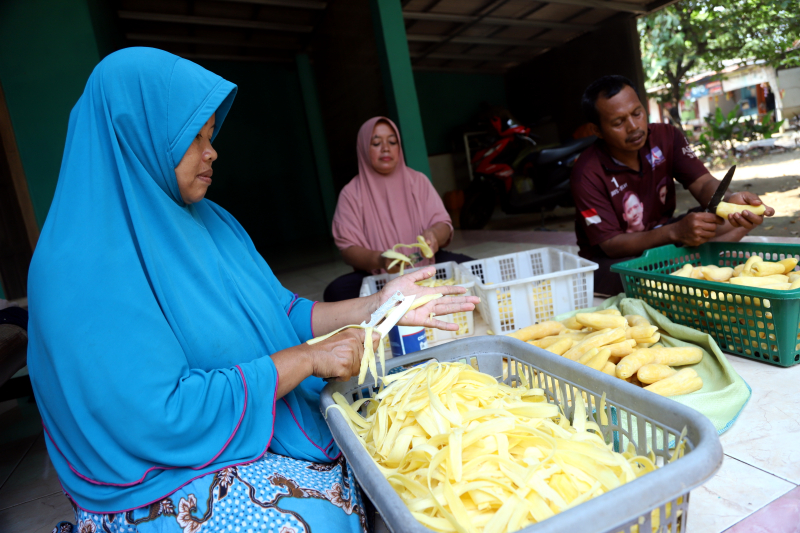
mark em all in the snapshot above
pixel 631 411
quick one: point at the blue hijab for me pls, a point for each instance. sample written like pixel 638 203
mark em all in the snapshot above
pixel 152 321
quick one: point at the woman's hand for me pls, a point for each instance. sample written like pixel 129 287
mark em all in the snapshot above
pixel 421 316
pixel 432 240
pixel 339 357
pixel 450 303
pixel 386 261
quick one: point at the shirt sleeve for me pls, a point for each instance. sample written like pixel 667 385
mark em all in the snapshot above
pixel 434 207
pixel 344 228
pixel 299 310
pixel 594 207
pixel 686 167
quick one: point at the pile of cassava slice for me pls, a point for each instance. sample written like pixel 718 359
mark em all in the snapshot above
pixel 466 453
pixel 622 346
pixel 403 259
pixel 755 272
pixel 368 361
pixel 433 282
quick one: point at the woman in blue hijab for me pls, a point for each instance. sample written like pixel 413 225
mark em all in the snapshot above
pixel 169 365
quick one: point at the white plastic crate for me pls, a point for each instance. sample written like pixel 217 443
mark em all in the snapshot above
pixel 525 288
pixel 447 270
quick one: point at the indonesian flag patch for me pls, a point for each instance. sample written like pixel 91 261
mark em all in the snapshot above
pixel 591 217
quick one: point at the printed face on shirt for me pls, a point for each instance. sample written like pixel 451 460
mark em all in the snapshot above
pixel 384 149
pixel 662 194
pixel 623 121
pixel 633 212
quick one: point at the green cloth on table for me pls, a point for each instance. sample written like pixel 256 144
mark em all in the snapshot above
pixel 724 393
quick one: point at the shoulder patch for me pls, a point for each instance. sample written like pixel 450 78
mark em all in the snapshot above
pixel 655 157
pixel 591 217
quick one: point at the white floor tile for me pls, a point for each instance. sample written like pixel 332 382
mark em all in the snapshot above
pixel 33 478
pixel 11 455
pixel 737 491
pixel 767 432
pixel 38 516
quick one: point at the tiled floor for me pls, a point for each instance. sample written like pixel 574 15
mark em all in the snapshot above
pixel 764 446
pixel 30 496
pixel 755 491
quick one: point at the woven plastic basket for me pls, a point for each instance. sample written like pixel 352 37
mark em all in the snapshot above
pixel 525 288
pixel 647 420
pixel 760 324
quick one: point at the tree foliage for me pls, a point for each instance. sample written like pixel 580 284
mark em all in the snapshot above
pixel 697 35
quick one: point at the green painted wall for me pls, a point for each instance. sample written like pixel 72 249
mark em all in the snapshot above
pixel 316 133
pixel 398 80
pixel 265 174
pixel 449 100
pixel 47 51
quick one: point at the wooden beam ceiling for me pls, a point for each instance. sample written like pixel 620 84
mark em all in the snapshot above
pixel 215 21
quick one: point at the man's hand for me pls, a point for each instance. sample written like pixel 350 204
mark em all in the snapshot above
pixel 746 219
pixel 431 239
pixel 695 228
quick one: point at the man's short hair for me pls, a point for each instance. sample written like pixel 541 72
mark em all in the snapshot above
pixel 628 196
pixel 607 87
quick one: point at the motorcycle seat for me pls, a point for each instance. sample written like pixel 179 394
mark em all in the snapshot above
pixel 551 155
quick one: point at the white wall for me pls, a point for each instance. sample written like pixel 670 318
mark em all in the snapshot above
pixel 704 107
pixel 443 174
pixel 652 105
pixel 789 82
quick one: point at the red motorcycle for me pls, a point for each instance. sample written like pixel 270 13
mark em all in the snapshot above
pixel 507 164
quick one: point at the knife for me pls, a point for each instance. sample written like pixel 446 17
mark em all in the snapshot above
pixel 720 192
pixel 381 311
pixel 395 314
pixel 390 313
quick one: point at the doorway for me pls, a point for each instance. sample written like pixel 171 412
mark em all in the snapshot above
pixel 18 228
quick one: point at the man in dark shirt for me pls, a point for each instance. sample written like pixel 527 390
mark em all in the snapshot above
pixel 624 190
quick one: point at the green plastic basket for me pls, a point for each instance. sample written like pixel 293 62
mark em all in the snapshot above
pixel 760 324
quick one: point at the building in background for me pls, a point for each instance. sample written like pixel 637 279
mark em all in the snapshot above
pixel 789 88
pixel 756 89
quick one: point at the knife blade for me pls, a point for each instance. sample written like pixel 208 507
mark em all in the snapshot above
pixel 381 311
pixel 394 316
pixel 392 313
pixel 719 194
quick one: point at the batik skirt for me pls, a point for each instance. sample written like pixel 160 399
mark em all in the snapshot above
pixel 275 493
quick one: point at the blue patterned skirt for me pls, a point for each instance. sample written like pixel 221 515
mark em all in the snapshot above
pixel 275 493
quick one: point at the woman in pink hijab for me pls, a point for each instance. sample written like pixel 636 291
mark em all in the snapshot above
pixel 387 203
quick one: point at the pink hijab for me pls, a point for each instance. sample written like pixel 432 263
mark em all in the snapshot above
pixel 376 211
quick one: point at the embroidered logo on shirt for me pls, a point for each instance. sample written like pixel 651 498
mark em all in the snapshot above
pixel 688 152
pixel 619 188
pixel 655 157
pixel 591 216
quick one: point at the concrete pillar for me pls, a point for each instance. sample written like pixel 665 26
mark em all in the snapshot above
pixel 398 80
pixel 317 133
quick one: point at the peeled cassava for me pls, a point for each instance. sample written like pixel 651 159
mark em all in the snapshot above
pixel 724 209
